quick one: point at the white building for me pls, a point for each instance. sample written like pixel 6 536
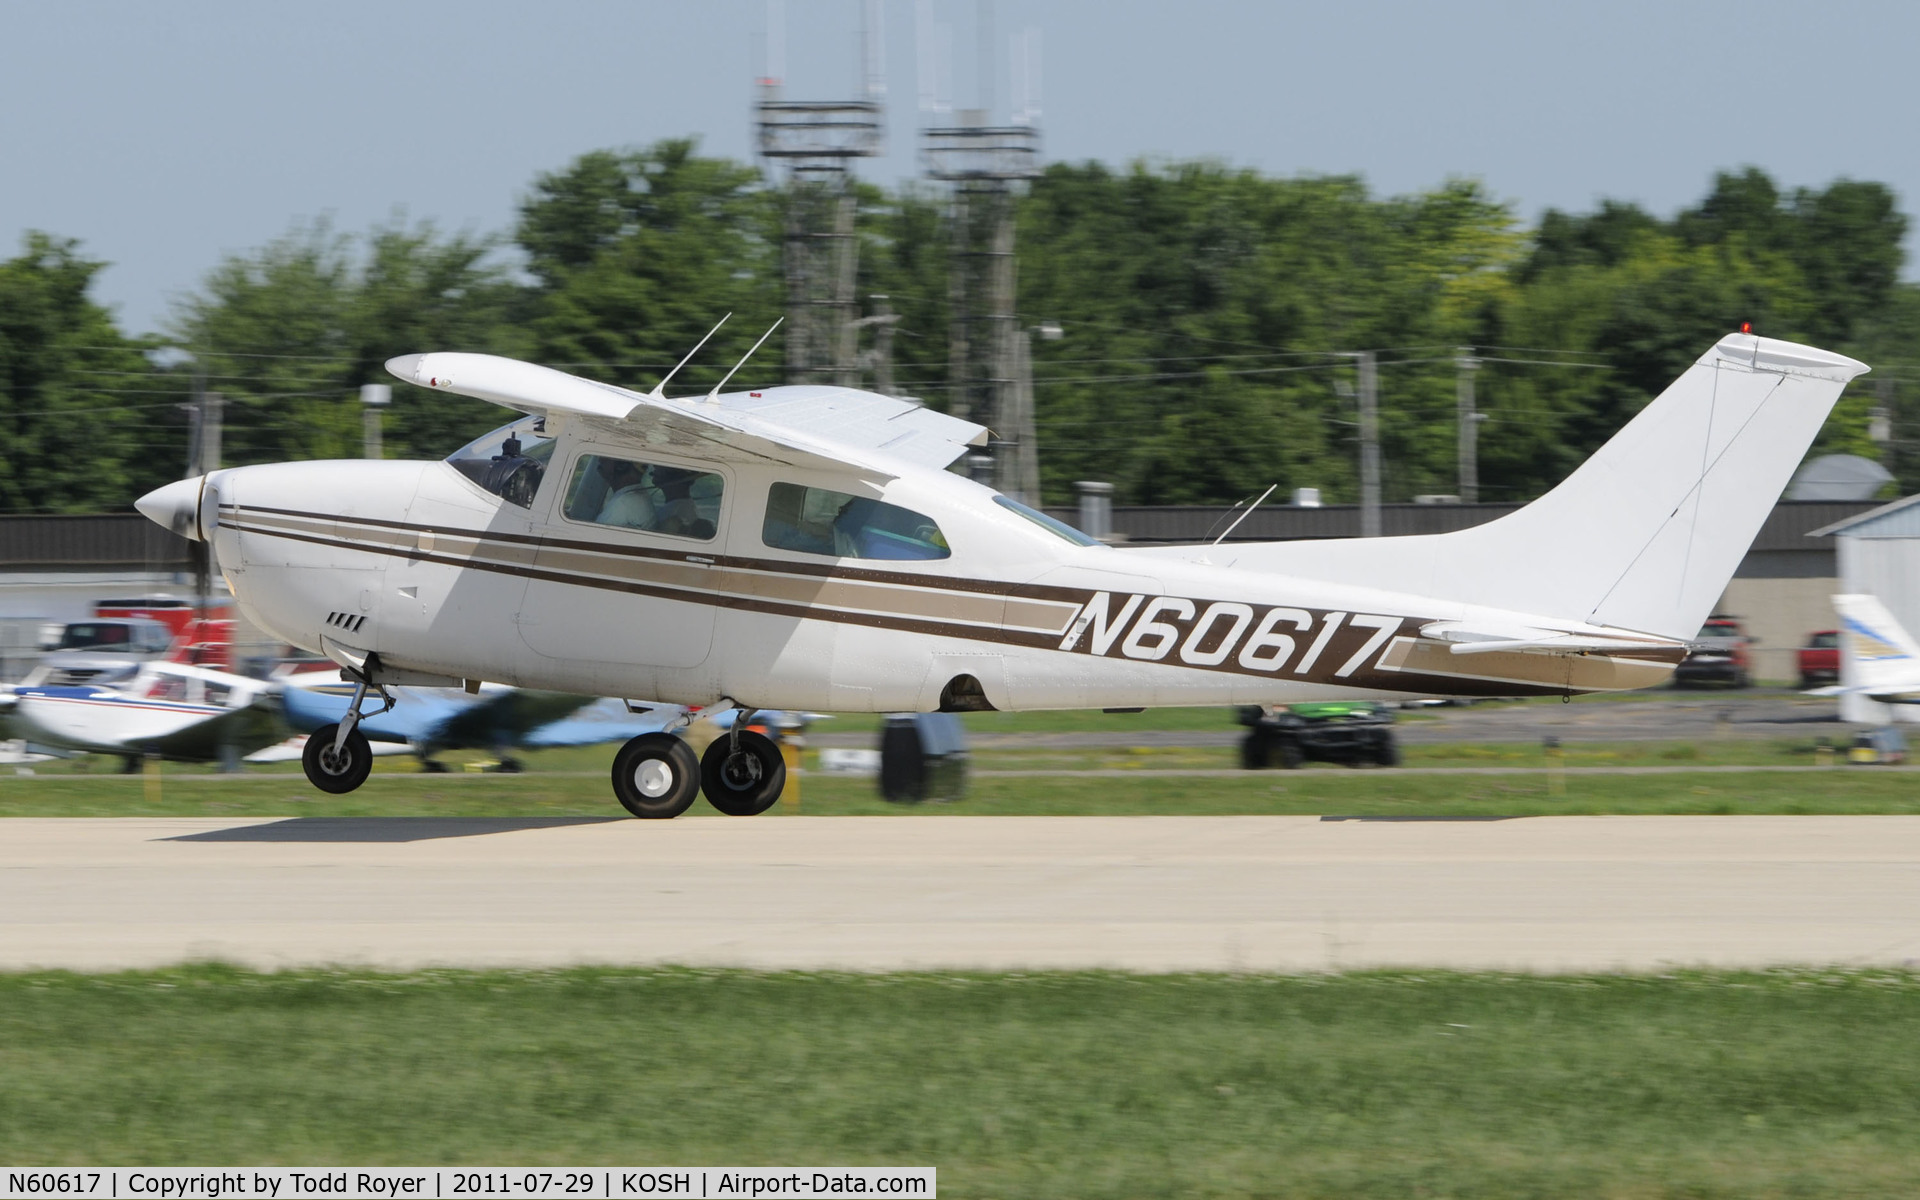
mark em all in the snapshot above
pixel 1878 554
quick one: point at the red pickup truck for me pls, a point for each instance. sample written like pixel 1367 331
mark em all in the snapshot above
pixel 1820 659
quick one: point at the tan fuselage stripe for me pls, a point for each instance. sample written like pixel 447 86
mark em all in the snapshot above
pixel 972 609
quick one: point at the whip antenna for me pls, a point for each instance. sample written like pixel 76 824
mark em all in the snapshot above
pixel 714 395
pixel 659 391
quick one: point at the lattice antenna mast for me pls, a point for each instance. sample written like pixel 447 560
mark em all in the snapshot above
pixel 988 353
pixel 815 140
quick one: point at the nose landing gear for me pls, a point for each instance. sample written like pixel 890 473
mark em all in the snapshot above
pixel 337 758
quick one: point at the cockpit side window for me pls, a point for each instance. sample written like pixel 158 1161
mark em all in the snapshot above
pixel 651 497
pixel 509 462
pixel 817 521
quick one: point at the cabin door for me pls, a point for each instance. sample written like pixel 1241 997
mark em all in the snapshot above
pixel 624 573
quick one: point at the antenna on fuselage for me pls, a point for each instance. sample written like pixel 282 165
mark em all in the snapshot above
pixel 1243 516
pixel 714 395
pixel 659 391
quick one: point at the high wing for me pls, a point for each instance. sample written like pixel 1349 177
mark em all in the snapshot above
pixel 605 720
pixel 800 425
pixel 506 718
pixel 437 718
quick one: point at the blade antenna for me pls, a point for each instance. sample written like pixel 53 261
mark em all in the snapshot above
pixel 659 391
pixel 714 395
pixel 1243 516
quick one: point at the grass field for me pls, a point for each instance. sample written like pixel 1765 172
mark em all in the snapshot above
pixel 1390 1085
pixel 575 782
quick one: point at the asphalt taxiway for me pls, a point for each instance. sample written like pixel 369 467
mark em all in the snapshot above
pixel 957 892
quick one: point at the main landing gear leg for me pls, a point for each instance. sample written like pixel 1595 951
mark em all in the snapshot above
pixel 337 758
pixel 742 773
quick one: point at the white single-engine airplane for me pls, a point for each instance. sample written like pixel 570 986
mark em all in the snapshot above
pixel 804 547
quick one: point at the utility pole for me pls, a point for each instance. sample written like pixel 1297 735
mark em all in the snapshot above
pixel 1469 428
pixel 1369 446
pixel 880 358
pixel 212 409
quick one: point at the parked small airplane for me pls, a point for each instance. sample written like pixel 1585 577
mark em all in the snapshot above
pixel 165 709
pixel 1878 658
pixel 804 547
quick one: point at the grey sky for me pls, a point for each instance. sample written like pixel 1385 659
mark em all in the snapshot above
pixel 164 135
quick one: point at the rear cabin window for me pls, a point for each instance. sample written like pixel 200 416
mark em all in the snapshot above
pixel 650 497
pixel 817 521
pixel 508 462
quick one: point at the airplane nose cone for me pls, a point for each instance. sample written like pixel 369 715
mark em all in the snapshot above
pixel 176 506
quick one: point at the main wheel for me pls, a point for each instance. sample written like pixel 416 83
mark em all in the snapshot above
pixel 656 776
pixel 336 771
pixel 742 782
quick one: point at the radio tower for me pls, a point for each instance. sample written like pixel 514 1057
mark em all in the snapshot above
pixel 988 362
pixel 815 139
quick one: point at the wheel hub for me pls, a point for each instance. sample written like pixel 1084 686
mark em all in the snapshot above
pixel 741 770
pixel 653 778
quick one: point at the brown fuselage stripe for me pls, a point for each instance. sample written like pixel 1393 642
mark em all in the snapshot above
pixel 727 568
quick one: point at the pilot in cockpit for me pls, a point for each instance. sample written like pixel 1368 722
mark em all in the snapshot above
pixel 629 500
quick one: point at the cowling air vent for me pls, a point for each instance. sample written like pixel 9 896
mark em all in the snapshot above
pixel 349 622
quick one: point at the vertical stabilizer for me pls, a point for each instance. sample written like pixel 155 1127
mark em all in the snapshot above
pixel 1880 659
pixel 1643 535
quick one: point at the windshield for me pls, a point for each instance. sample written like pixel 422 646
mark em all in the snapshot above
pixel 509 462
pixel 1059 529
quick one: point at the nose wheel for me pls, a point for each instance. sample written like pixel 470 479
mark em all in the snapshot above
pixel 335 764
pixel 337 758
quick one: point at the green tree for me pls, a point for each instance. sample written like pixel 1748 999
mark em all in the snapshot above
pixel 289 332
pixel 637 254
pixel 91 423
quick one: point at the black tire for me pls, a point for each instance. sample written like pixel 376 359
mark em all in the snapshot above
pixel 746 782
pixel 656 776
pixel 1387 753
pixel 1808 681
pixel 1254 751
pixel 1292 757
pixel 336 773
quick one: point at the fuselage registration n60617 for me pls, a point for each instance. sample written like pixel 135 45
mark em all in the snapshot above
pixel 805 547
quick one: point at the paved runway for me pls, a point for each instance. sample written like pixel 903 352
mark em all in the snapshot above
pixel 875 893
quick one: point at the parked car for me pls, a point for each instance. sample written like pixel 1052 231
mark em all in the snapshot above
pixel 1352 732
pixel 1718 655
pixel 1820 659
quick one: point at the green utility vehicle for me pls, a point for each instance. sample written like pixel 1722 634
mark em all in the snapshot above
pixel 1354 732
